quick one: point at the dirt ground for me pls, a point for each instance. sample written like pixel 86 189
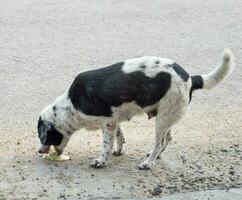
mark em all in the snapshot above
pixel 45 44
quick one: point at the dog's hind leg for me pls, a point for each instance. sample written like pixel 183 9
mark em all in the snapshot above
pixel 109 131
pixel 120 141
pixel 164 143
pixel 166 117
pixel 159 135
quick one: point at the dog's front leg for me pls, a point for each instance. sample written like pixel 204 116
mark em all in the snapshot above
pixel 60 148
pixel 109 131
pixel 120 141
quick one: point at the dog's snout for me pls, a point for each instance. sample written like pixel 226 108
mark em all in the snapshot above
pixel 40 151
pixel 43 149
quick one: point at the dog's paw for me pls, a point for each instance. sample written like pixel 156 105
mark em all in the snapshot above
pixel 118 153
pixel 97 164
pixel 144 166
pixel 158 157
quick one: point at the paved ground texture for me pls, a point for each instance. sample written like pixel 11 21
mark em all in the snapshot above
pixel 233 194
pixel 45 44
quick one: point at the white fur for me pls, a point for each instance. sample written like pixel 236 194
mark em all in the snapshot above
pixel 170 110
pixel 221 72
pixel 66 115
pixel 151 69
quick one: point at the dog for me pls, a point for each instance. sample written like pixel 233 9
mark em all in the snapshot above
pixel 105 97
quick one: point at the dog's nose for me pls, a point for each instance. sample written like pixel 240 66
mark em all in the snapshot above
pixel 43 149
pixel 40 151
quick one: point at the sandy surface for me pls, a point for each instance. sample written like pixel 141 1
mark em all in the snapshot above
pixel 44 44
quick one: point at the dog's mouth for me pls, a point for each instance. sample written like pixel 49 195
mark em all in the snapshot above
pixel 44 149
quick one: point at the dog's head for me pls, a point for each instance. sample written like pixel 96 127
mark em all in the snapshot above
pixel 48 135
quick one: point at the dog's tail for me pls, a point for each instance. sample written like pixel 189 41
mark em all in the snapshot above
pixel 210 80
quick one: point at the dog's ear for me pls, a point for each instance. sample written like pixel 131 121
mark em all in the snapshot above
pixel 55 137
pixel 48 135
pixel 43 128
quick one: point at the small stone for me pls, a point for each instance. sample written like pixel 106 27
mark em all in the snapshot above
pixel 236 145
pixel 156 191
pixel 183 159
pixel 234 178
pixel 232 172
pixel 238 151
pixel 62 195
pixel 172 188
pixel 182 175
pixel 224 150
pixel 209 152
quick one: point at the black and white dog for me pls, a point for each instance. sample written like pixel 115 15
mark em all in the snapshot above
pixel 105 97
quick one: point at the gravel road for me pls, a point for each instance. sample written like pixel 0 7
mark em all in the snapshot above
pixel 45 44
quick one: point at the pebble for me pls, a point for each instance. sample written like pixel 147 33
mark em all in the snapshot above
pixel 232 172
pixel 62 195
pixel 233 178
pixel 172 188
pixel 209 152
pixel 183 159
pixel 182 175
pixel 224 150
pixel 156 191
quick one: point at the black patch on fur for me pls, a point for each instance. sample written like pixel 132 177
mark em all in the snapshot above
pixel 118 132
pixel 48 135
pixel 180 71
pixel 197 83
pixel 142 66
pixel 54 110
pixel 152 113
pixel 157 62
pixel 95 92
